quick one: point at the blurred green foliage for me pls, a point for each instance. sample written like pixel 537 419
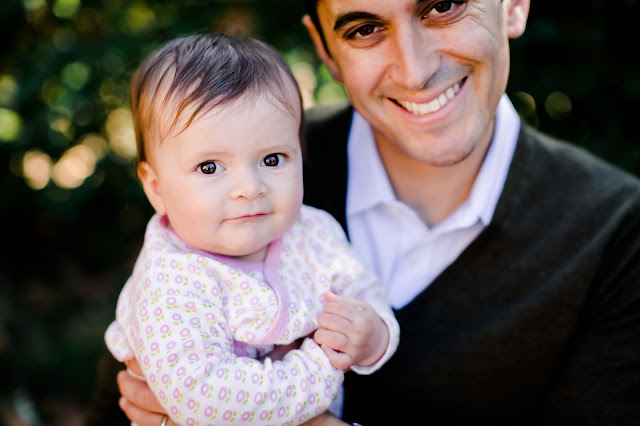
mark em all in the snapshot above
pixel 73 211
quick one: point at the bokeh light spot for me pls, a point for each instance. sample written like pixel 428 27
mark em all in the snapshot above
pixel 525 104
pixel 10 125
pixel 65 9
pixel 558 106
pixel 75 165
pixel 119 129
pixel 8 89
pixel 110 93
pixel 303 72
pixel 97 144
pixel 36 169
pixel 50 90
pixel 139 18
pixel 60 122
pixel 34 5
pixel 328 90
pixel 75 75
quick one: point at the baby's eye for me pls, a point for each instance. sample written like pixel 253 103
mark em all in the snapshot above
pixel 273 160
pixel 208 167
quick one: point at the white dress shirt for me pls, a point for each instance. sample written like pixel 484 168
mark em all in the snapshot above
pixel 390 237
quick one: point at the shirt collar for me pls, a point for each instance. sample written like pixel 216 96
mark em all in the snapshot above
pixel 369 184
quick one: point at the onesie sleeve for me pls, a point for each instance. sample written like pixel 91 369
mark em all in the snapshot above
pixel 178 331
pixel 117 343
pixel 351 278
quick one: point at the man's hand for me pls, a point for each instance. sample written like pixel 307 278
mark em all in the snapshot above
pixel 325 419
pixel 138 402
pixel 351 332
pixel 279 351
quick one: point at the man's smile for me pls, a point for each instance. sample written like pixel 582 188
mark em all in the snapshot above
pixel 435 104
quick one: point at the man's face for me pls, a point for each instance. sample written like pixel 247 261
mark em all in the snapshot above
pixel 427 75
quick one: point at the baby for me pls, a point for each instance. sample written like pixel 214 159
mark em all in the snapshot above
pixel 233 264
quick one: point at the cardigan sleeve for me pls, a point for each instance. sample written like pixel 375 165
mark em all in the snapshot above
pixel 599 382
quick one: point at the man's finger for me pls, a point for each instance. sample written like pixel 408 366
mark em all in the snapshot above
pixel 141 417
pixel 133 365
pixel 137 392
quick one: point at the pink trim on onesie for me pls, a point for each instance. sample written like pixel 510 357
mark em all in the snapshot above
pixel 272 277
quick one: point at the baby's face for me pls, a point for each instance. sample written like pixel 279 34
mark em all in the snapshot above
pixel 232 181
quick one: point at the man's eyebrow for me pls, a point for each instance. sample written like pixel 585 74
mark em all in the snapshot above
pixel 346 18
pixel 419 4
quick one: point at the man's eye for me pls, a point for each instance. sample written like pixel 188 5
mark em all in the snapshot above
pixel 208 168
pixel 446 7
pixel 363 31
pixel 443 6
pixel 273 160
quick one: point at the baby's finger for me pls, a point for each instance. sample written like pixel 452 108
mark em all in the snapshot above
pixel 333 297
pixel 340 360
pixel 334 322
pixel 347 307
pixel 332 339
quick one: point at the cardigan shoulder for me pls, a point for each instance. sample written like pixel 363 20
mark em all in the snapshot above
pixel 325 165
pixel 565 168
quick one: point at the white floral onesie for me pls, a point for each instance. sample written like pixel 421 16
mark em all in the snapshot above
pixel 197 322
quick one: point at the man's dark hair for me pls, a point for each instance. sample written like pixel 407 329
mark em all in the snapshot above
pixel 311 7
pixel 197 73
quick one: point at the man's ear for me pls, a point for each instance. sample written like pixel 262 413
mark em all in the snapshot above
pixel 517 13
pixel 323 54
pixel 151 186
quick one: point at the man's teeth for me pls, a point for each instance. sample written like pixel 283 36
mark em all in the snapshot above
pixel 434 105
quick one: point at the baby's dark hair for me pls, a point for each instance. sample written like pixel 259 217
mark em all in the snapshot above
pixel 191 75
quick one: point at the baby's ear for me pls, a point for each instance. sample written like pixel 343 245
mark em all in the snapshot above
pixel 151 186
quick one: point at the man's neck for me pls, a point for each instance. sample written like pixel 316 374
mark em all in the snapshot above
pixel 434 192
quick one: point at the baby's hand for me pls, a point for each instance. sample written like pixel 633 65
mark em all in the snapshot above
pixel 351 332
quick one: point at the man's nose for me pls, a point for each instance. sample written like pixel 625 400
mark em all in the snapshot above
pixel 247 183
pixel 414 61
